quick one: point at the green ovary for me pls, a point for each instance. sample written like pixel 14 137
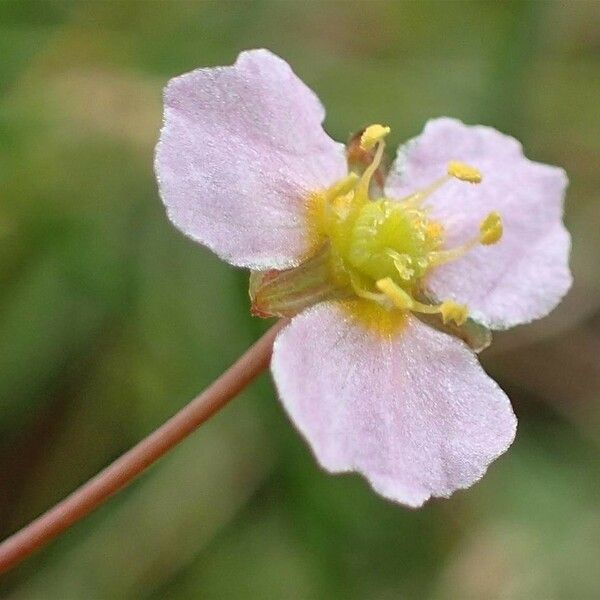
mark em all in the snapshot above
pixel 388 240
pixel 370 240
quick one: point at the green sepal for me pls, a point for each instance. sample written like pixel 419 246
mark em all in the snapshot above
pixel 286 293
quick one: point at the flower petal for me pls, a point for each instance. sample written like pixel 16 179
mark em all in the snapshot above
pixel 524 275
pixel 241 149
pixel 414 412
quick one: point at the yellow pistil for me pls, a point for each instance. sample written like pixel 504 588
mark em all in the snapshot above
pixel 463 172
pixel 373 134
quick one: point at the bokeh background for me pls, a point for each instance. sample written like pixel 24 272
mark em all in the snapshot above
pixel 110 320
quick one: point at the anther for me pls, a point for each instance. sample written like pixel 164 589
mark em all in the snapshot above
pixel 373 134
pixel 455 169
pixel 490 230
pixel 449 310
pixel 463 172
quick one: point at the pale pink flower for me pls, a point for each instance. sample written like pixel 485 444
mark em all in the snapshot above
pixel 390 286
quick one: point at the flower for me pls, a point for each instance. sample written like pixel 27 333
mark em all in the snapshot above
pixel 391 283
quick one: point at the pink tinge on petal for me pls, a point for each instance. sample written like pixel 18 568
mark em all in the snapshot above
pixel 525 275
pixel 241 150
pixel 413 412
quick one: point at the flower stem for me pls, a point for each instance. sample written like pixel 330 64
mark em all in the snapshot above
pixel 126 468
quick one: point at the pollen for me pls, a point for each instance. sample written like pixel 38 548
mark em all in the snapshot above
pixel 464 172
pixel 373 134
pixel 491 229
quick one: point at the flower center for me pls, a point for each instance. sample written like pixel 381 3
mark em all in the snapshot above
pixel 382 248
pixel 371 251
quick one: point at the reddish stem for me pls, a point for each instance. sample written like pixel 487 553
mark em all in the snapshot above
pixel 126 468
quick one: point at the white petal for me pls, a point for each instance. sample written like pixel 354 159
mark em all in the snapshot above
pixel 241 150
pixel 413 412
pixel 526 274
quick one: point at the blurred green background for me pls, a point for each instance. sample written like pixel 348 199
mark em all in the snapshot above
pixel 110 320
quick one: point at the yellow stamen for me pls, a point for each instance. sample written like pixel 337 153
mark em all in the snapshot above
pixel 490 230
pixel 449 310
pixel 343 186
pixel 380 248
pixel 396 294
pixel 361 192
pixel 441 257
pixel 463 172
pixel 339 198
pixel 415 199
pixel 456 169
pixel 361 292
pixel 373 134
pixel 323 207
